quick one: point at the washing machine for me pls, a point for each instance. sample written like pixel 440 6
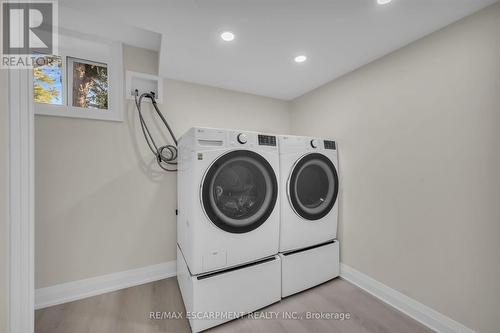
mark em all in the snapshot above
pixel 309 188
pixel 228 223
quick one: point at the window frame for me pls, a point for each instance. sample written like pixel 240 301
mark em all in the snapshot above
pixel 105 52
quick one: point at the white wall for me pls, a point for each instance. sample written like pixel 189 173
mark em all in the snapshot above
pixel 102 206
pixel 419 138
pixel 4 182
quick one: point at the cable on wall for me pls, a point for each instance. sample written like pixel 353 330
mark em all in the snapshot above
pixel 166 155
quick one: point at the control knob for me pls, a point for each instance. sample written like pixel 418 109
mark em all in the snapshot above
pixel 242 138
pixel 314 143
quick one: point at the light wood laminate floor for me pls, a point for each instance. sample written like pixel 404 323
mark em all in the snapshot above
pixel 128 311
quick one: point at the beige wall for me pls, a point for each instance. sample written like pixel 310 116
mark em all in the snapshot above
pixel 419 138
pixel 4 181
pixel 101 204
pixel 418 131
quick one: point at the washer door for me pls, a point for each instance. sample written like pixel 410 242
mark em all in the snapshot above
pixel 313 186
pixel 239 191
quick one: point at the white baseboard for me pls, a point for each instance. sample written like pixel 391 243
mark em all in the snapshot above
pixel 421 313
pixel 72 291
pixel 75 290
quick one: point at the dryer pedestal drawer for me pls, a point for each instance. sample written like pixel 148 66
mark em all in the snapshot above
pixel 218 297
pixel 303 269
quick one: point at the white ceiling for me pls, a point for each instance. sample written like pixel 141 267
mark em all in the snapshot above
pixel 337 36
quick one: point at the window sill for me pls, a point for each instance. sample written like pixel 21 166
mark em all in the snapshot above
pixel 76 112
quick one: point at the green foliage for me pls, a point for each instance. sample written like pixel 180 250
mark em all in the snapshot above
pixel 99 89
pixel 43 89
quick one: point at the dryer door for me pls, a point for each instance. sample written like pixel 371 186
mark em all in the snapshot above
pixel 313 186
pixel 239 191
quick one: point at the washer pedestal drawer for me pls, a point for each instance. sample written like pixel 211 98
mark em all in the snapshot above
pixel 303 269
pixel 214 298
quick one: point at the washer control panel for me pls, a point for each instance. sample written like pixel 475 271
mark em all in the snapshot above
pixel 330 145
pixel 267 140
pixel 314 143
pixel 242 138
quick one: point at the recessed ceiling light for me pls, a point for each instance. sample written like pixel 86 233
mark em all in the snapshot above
pixel 227 36
pixel 300 58
pixel 383 2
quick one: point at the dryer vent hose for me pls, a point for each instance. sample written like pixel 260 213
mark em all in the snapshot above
pixel 166 156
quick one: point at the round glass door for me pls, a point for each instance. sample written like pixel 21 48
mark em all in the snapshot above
pixel 239 191
pixel 313 186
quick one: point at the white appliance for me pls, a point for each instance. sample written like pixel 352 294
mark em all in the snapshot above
pixel 228 223
pixel 309 187
pixel 228 208
pixel 306 268
pixel 218 297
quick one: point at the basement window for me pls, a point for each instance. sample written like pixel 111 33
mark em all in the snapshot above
pixel 88 84
pixel 85 80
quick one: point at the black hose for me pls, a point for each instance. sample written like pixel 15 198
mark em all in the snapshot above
pixel 162 160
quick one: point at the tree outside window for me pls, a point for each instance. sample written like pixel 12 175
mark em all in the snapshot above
pixel 90 85
pixel 87 82
pixel 48 80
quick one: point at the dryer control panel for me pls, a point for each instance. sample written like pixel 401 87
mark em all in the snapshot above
pixel 267 140
pixel 330 145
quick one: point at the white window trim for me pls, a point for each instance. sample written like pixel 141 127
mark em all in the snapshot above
pixel 21 203
pixel 114 63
